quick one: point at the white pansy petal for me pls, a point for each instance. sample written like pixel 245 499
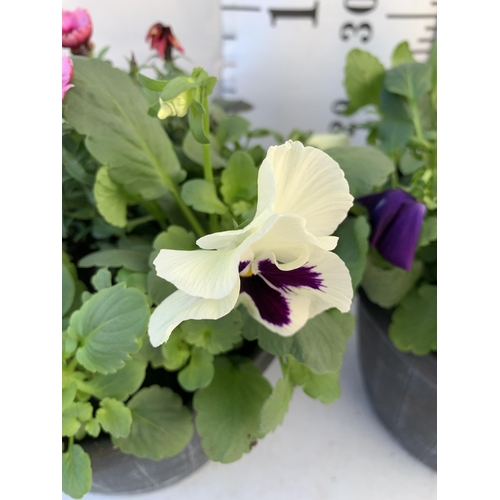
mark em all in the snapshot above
pixel 309 183
pixel 180 307
pixel 328 242
pixel 266 186
pixel 200 273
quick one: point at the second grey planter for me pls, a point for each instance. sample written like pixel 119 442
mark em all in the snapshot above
pixel 402 387
pixel 115 472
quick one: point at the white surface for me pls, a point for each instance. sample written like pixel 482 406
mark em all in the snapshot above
pixel 338 452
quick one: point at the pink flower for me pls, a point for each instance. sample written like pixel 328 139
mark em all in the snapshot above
pixel 76 28
pixel 67 74
pixel 163 40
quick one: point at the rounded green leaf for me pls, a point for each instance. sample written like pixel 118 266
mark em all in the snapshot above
pixel 175 350
pixel 275 407
pixel 411 80
pixel 76 472
pixel 239 179
pixel 364 168
pixel 117 257
pixel 402 54
pixel 110 198
pixel 109 325
pixel 228 409
pixel 68 289
pixel 202 196
pixel 115 417
pixel 101 279
pixel 193 150
pixel 199 372
pixel 414 322
pixel 232 129
pixel 161 425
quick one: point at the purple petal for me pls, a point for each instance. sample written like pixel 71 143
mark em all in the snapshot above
pixel 301 277
pixel 242 265
pixel 272 305
pixel 399 241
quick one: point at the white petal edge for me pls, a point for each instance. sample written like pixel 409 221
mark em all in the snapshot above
pixel 180 307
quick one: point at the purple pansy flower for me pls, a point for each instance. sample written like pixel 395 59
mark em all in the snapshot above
pixel 280 266
pixel 396 220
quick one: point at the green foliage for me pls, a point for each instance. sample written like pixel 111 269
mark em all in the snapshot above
pixel 114 417
pixel 193 150
pixel 199 372
pixel 402 54
pixel 275 407
pixel 161 425
pixel 228 409
pixel 111 199
pixel 117 257
pixel 68 289
pixel 239 179
pixel 232 129
pixel 202 196
pixel 76 472
pixel 365 168
pixel 414 322
pixel 108 327
pixel 411 80
pixel 101 279
pixel 175 350
pixel 429 231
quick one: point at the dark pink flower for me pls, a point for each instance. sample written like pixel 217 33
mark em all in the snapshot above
pixel 396 219
pixel 163 40
pixel 67 74
pixel 76 28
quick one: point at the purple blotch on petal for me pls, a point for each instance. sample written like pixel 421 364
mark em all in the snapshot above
pixel 272 305
pixel 242 265
pixel 284 280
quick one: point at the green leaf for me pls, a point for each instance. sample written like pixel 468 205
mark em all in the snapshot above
pixel 151 84
pixel 68 289
pixel 411 80
pixel 149 354
pixel 76 413
pixel 175 238
pixel 132 279
pixel 365 168
pixel 193 150
pixel 275 407
pixel 228 409
pixel 68 395
pixel 232 129
pixel 216 336
pixel 177 86
pixel 393 136
pixel 386 287
pixel 409 164
pixel 75 169
pixel 353 245
pixel 109 325
pixel 320 344
pixel 429 231
pixel 202 196
pixel 196 114
pixel 158 288
pixel 161 425
pixel 93 427
pixel 239 179
pixel 117 257
pixel 76 471
pixel 115 417
pixel 325 386
pixel 121 384
pixel 364 75
pixel 175 350
pixel 111 199
pixel 110 110
pixel 394 107
pixel 101 279
pixel 402 54
pixel 433 65
pixel 199 372
pixel 70 426
pixel 414 323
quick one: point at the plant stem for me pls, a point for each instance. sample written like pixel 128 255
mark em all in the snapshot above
pixel 198 229
pixel 207 161
pixel 153 208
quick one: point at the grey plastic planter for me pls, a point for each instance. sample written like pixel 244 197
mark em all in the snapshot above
pixel 115 472
pixel 402 387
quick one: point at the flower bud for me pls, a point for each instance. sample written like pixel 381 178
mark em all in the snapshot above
pixel 163 40
pixel 178 106
pixel 67 74
pixel 76 29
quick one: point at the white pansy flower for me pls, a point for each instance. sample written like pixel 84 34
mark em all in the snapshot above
pixel 279 266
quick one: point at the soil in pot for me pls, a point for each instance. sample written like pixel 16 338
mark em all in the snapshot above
pixel 402 387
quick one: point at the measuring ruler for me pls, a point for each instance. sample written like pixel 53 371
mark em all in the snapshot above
pixel 287 57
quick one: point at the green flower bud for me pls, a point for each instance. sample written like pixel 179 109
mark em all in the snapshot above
pixel 178 106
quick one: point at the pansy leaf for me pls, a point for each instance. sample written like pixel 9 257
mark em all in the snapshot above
pixel 117 257
pixel 196 116
pixel 110 110
pixel 76 472
pixel 68 395
pixel 68 289
pixel 161 425
pixel 149 354
pixel 121 384
pixel 402 54
pixel 414 322
pixel 152 84
pixel 158 288
pixel 115 417
pixel 320 344
pixel 216 336
pixel 109 325
pixel 228 409
pixel 199 372
pixel 101 279
pixel 75 169
pixel 232 129
pixel 352 246
pixel 93 427
pixel 364 75
pixel 409 164
pixel 175 350
pixel 393 135
pixel 202 196
pixel 275 407
pixel 132 279
pixel 239 179
pixel 394 107
pixel 176 87
pixel 364 168
pixel 110 198
pixel 193 150
pixel 386 287
pixel 429 231
pixel 411 80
